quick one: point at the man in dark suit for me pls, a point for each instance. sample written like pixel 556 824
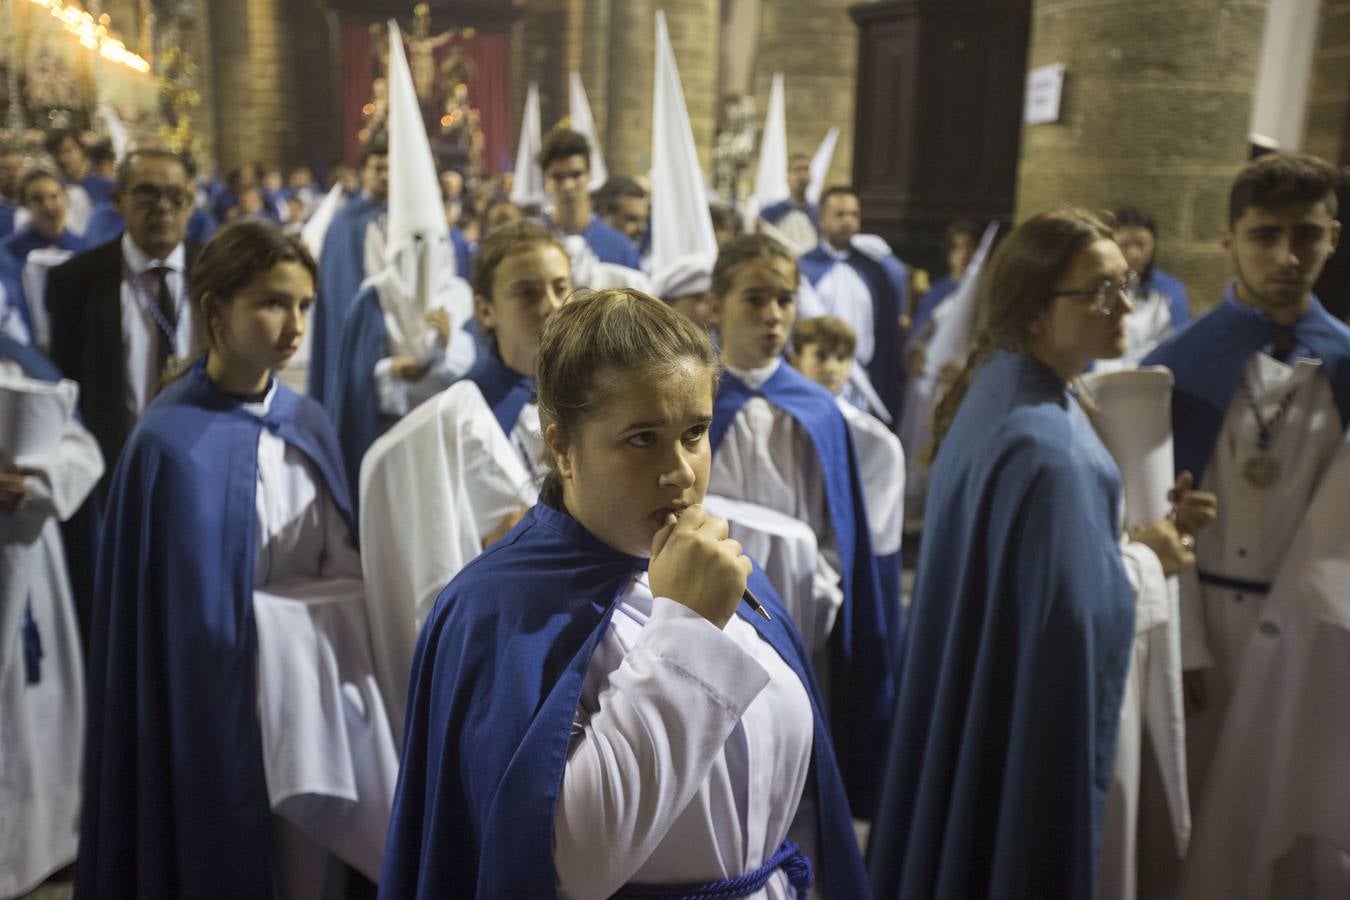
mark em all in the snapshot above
pixel 119 311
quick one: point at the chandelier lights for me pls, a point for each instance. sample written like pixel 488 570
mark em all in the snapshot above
pixel 93 34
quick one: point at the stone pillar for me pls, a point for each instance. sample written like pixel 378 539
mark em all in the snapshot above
pixel 814 44
pixel 1328 114
pixel 695 27
pixel 1156 106
pixel 539 43
pixel 594 63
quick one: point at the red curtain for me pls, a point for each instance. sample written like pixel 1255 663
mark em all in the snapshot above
pixel 489 90
pixel 358 71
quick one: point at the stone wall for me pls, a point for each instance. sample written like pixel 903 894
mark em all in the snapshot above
pixel 1328 112
pixel 1157 101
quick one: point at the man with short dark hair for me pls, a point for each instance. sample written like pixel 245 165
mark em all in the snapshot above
pixel 119 311
pixel 353 248
pixel 85 188
pixel 566 162
pixel 41 193
pixel 796 217
pixel 624 205
pixel 1259 409
pixel 857 288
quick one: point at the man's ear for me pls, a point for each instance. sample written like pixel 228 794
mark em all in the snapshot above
pixel 1226 239
pixel 1335 233
pixel 483 310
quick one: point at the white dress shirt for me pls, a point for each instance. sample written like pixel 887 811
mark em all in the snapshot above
pixel 689 758
pixel 141 333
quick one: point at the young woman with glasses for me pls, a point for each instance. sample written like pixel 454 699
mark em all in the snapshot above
pixel 1022 619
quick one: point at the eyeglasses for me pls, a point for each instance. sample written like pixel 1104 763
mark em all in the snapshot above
pixel 1106 296
pixel 147 196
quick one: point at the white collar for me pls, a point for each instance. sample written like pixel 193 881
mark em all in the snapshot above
pixel 261 407
pixel 139 262
pixel 837 255
pixel 755 378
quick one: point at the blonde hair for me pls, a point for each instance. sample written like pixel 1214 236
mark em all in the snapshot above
pixel 598 336
pixel 1014 292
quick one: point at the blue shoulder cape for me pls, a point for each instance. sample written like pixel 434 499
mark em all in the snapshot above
pixel 774 212
pixel 464 253
pixel 496 679
pixel 1018 643
pixel 175 800
pixel 865 641
pixel 1207 360
pixel 1170 287
pixel 610 244
pixel 923 311
pixel 79 533
pixel 887 368
pixel 18 245
pixel 505 390
pixel 352 403
pixel 7 211
pixel 341 271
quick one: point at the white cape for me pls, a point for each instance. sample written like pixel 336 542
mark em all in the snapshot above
pixel 432 487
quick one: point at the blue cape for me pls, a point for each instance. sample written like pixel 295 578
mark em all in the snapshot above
pixel 7 211
pixel 18 245
pixel 175 800
pixel 98 188
pixel 1018 642
pixel 341 271
pixel 865 640
pixel 887 368
pixel 1208 358
pixel 609 244
pixel 495 684
pixel 352 404
pixel 464 253
pixel 923 311
pixel 774 212
pixel 1170 287
pixel 505 390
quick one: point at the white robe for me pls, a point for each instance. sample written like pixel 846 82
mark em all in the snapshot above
pixel 1281 825
pixel 767 458
pixel 432 488
pixel 329 756
pixel 1253 530
pixel 41 724
pixel 690 755
pixel 881 464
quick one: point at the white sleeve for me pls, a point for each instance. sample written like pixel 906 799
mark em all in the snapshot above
pixel 62 480
pixel 390 392
pixel 636 761
pixel 1151 597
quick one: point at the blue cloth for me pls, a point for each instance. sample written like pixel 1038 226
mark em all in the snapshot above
pixel 175 799
pixel 17 247
pixel 481 769
pixel 1171 288
pixel 353 405
pixel 341 271
pixel 887 368
pixel 865 640
pixel 788 857
pixel 1208 357
pixel 1020 632
pixel 942 289
pixel 609 244
pixel 505 390
pixel 774 212
pixel 98 188
pixel 464 253
pixel 7 211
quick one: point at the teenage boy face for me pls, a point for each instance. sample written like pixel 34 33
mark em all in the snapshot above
pixel 1278 254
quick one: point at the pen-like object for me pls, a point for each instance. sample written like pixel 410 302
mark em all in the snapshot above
pixel 758 607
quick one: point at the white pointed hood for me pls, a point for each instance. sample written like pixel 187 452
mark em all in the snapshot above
pixel 419 272
pixel 684 247
pixel 820 165
pixel 771 177
pixel 579 110
pixel 528 186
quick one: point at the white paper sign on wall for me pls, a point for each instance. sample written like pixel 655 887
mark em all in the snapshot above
pixel 1045 86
